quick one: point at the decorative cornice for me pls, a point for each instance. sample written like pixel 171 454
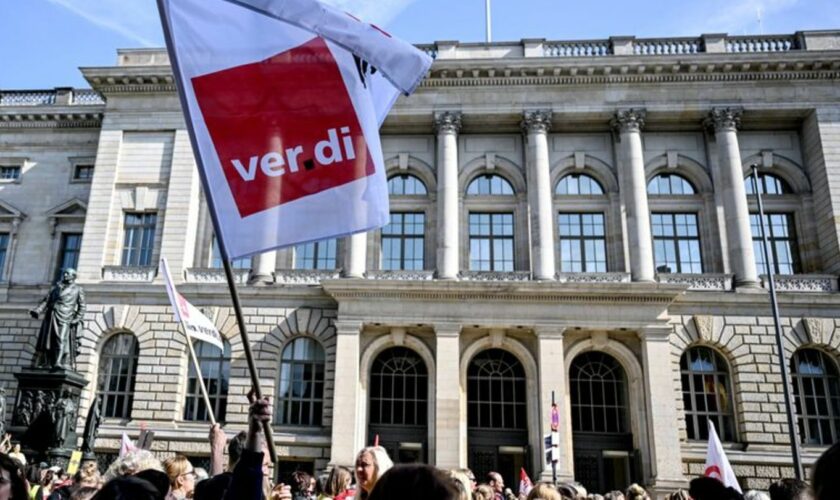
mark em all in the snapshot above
pixel 538 121
pixel 629 120
pixel 27 118
pixel 724 119
pixel 448 122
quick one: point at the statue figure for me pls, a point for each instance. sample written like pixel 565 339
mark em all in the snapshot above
pixel 25 413
pixel 63 309
pixel 94 418
pixel 63 417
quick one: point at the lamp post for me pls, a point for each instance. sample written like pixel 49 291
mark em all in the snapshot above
pixel 791 416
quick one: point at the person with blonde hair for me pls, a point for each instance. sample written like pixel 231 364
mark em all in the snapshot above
pixel 462 483
pixel 337 483
pixel 483 492
pixel 181 477
pixel 544 491
pixel 371 463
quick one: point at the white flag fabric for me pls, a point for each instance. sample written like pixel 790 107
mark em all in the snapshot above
pixel 126 445
pixel 717 465
pixel 284 99
pixel 196 324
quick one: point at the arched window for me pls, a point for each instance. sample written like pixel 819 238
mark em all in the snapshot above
pixel 117 373
pixel 399 388
pixel 707 394
pixel 598 394
pixel 574 184
pixel 215 367
pixel 665 184
pixel 816 390
pixel 300 392
pixel 496 394
pixel 490 184
pixel 768 184
pixel 405 184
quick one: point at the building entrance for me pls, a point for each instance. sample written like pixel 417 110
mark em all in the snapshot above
pixel 398 390
pixel 603 443
pixel 497 411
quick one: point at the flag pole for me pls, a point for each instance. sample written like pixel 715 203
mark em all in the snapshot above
pixel 200 380
pixel 487 28
pixel 783 366
pixel 234 295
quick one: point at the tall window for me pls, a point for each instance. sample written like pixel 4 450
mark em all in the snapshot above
pixel 575 184
pixel 403 241
pixel 582 243
pixel 316 255
pixel 598 390
pixel 117 373
pixel 83 172
pixel 676 242
pixel 781 243
pixel 300 393
pixel 816 391
pixel 496 394
pixel 768 184
pixel 399 388
pixel 491 242
pixel 216 258
pixel 707 394
pixel 139 240
pixel 405 184
pixel 215 368
pixel 68 257
pixel 670 184
pixel 4 249
pixel 490 184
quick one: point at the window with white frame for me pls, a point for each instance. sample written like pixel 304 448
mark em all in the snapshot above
pixel 139 238
pixel 316 255
pixel 491 241
pixel 582 242
pixel 403 242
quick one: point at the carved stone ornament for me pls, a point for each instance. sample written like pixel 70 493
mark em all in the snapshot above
pixel 629 120
pixel 815 328
pixel 497 337
pixel 448 122
pixel 536 121
pixel 724 119
pixel 704 326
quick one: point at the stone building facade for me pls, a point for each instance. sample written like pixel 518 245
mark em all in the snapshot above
pixel 570 222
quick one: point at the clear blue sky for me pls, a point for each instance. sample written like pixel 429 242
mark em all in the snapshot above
pixel 43 42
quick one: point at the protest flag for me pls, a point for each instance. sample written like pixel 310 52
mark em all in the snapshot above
pixel 283 100
pixel 525 484
pixel 717 465
pixel 196 326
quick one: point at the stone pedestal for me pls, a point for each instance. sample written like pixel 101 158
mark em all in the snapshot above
pixel 43 394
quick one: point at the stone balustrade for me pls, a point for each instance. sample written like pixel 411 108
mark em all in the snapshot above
pixel 215 275
pixel 583 48
pixel 768 43
pixel 698 282
pixel 667 46
pixel 802 282
pixel 304 276
pixel 495 276
pixel 129 274
pixel 54 97
pixel 400 275
pixel 593 277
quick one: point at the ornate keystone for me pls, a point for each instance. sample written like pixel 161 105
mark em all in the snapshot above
pixel 448 122
pixel 536 121
pixel 724 119
pixel 629 120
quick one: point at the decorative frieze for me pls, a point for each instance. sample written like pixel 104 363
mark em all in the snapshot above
pixel 448 122
pixel 724 119
pixel 629 120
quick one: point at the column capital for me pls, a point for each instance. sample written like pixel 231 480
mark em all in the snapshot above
pixel 724 119
pixel 348 327
pixel 538 120
pixel 549 331
pixel 447 329
pixel 448 122
pixel 657 333
pixel 629 120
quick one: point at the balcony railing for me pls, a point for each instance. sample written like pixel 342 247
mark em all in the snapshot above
pixel 55 97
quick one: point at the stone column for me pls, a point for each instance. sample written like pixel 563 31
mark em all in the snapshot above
pixel 553 378
pixel 730 181
pixel 447 126
pixel 450 430
pixel 536 125
pixel 629 124
pixel 263 267
pixel 355 255
pixel 665 457
pixel 347 431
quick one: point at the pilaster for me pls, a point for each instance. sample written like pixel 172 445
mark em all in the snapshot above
pixel 450 429
pixel 180 224
pixel 447 126
pixel 536 125
pixel 552 367
pixel 347 431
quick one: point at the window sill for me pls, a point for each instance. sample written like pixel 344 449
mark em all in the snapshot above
pixel 129 274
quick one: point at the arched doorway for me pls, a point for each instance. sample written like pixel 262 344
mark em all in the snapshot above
pixel 602 440
pixel 398 404
pixel 497 415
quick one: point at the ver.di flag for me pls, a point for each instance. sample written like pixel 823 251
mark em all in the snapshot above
pixel 284 99
pixel 196 325
pixel 717 465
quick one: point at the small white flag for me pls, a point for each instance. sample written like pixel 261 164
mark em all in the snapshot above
pixel 196 325
pixel 284 99
pixel 717 465
pixel 126 445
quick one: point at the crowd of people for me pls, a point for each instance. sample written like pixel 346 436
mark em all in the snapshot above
pixel 139 475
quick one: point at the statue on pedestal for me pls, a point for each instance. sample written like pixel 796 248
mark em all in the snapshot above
pixel 63 417
pixel 63 309
pixel 94 418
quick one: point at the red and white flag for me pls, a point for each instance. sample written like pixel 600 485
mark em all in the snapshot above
pixel 525 484
pixel 717 465
pixel 284 99
pixel 196 324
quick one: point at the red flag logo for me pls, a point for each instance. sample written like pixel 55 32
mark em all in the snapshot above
pixel 283 128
